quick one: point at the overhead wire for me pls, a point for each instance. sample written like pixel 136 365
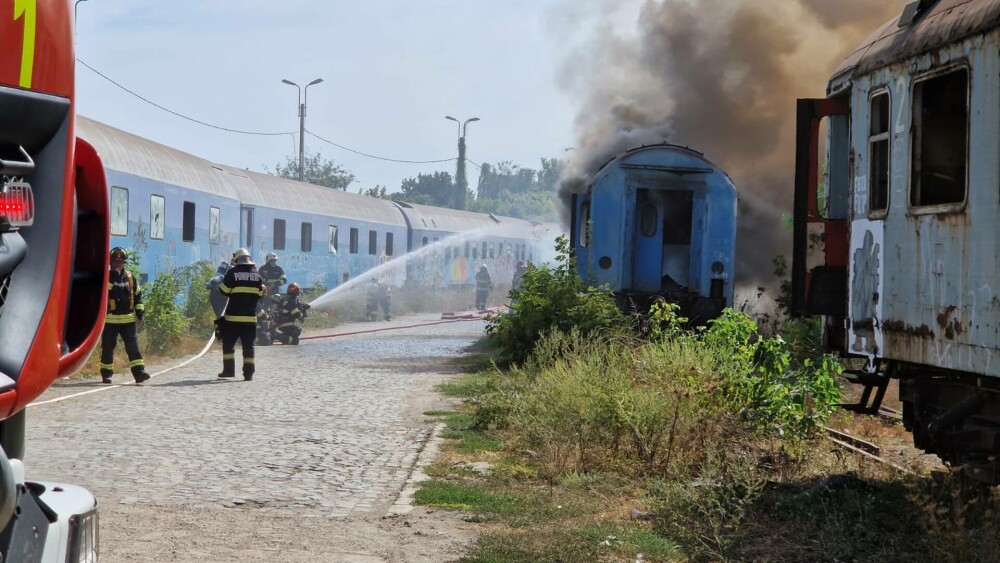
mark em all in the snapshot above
pixel 263 133
pixel 178 114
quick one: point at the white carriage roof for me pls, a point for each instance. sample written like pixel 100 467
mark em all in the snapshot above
pixel 426 217
pixel 933 24
pixel 131 154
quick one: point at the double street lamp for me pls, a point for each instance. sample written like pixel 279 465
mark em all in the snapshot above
pixel 303 95
pixel 460 180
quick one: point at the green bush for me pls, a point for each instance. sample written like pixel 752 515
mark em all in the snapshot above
pixel 165 322
pixel 548 301
pixel 197 308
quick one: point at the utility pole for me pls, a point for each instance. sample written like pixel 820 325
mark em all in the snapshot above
pixel 461 184
pixel 302 122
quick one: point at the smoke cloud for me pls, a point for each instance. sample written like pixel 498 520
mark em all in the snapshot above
pixel 720 76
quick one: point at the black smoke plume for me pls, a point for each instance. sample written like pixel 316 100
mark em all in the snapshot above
pixel 720 76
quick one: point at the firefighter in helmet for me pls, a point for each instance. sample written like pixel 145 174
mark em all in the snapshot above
pixel 379 295
pixel 244 287
pixel 272 274
pixel 484 283
pixel 125 308
pixel 290 314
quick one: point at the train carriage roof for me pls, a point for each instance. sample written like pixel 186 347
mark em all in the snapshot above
pixel 428 218
pixel 934 24
pixel 131 154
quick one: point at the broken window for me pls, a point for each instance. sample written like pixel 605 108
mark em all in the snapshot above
pixel 878 153
pixel 940 139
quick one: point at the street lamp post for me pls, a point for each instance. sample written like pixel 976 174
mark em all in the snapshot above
pixel 75 6
pixel 303 97
pixel 460 180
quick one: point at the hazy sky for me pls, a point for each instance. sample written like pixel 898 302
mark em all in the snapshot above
pixel 392 69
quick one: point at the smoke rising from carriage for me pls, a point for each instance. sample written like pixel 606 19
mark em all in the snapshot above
pixel 720 76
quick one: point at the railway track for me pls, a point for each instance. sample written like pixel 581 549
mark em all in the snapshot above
pixel 863 447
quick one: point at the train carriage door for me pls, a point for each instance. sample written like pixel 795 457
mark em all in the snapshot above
pixel 866 255
pixel 647 254
pixel 246 227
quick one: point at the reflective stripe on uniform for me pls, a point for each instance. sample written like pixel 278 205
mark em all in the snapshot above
pixel 140 307
pixel 250 290
pixel 116 319
pixel 247 360
pixel 229 356
pixel 108 366
pixel 240 319
pixel 225 289
pixel 136 363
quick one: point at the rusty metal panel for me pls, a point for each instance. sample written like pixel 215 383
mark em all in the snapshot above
pixel 930 283
pixel 947 21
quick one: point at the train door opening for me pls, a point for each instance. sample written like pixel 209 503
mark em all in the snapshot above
pixel 246 227
pixel 821 213
pixel 661 259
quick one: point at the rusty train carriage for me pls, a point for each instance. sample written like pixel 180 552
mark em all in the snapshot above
pixel 909 275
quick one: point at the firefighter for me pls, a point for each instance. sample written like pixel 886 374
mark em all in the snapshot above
pixel 272 274
pixel 124 309
pixel 215 296
pixel 244 287
pixel 483 286
pixel 290 313
pixel 518 275
pixel 379 294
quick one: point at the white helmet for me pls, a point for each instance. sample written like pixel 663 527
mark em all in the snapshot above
pixel 242 256
pixel 271 256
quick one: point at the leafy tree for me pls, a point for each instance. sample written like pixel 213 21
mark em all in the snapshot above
pixel 509 189
pixel 427 189
pixel 377 191
pixel 316 170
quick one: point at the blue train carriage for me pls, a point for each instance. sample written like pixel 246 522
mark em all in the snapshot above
pixel 906 279
pixel 321 235
pixel 659 222
pixel 459 242
pixel 172 208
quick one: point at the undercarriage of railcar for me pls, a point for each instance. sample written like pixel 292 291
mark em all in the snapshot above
pixel 954 415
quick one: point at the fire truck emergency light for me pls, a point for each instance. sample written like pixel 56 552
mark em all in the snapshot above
pixel 17 205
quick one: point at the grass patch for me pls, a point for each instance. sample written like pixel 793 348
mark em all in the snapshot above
pixel 472 441
pixel 467 386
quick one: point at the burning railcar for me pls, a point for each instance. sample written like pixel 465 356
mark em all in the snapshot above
pixel 659 222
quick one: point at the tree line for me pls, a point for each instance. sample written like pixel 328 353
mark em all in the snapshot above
pixel 504 188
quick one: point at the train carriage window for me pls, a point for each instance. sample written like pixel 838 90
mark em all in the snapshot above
pixel 388 244
pixel 878 152
pixel 188 224
pixel 354 241
pixel 306 240
pixel 493 250
pixel 584 224
pixel 119 211
pixel 157 206
pixel 447 254
pixel 372 243
pixel 436 239
pixel 279 234
pixel 332 248
pixel 475 252
pixel 939 157
pixel 677 214
pixel 214 225
pixel 425 241
pixel 484 249
pixel 466 249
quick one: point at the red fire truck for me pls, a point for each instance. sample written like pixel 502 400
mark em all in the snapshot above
pixel 53 269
